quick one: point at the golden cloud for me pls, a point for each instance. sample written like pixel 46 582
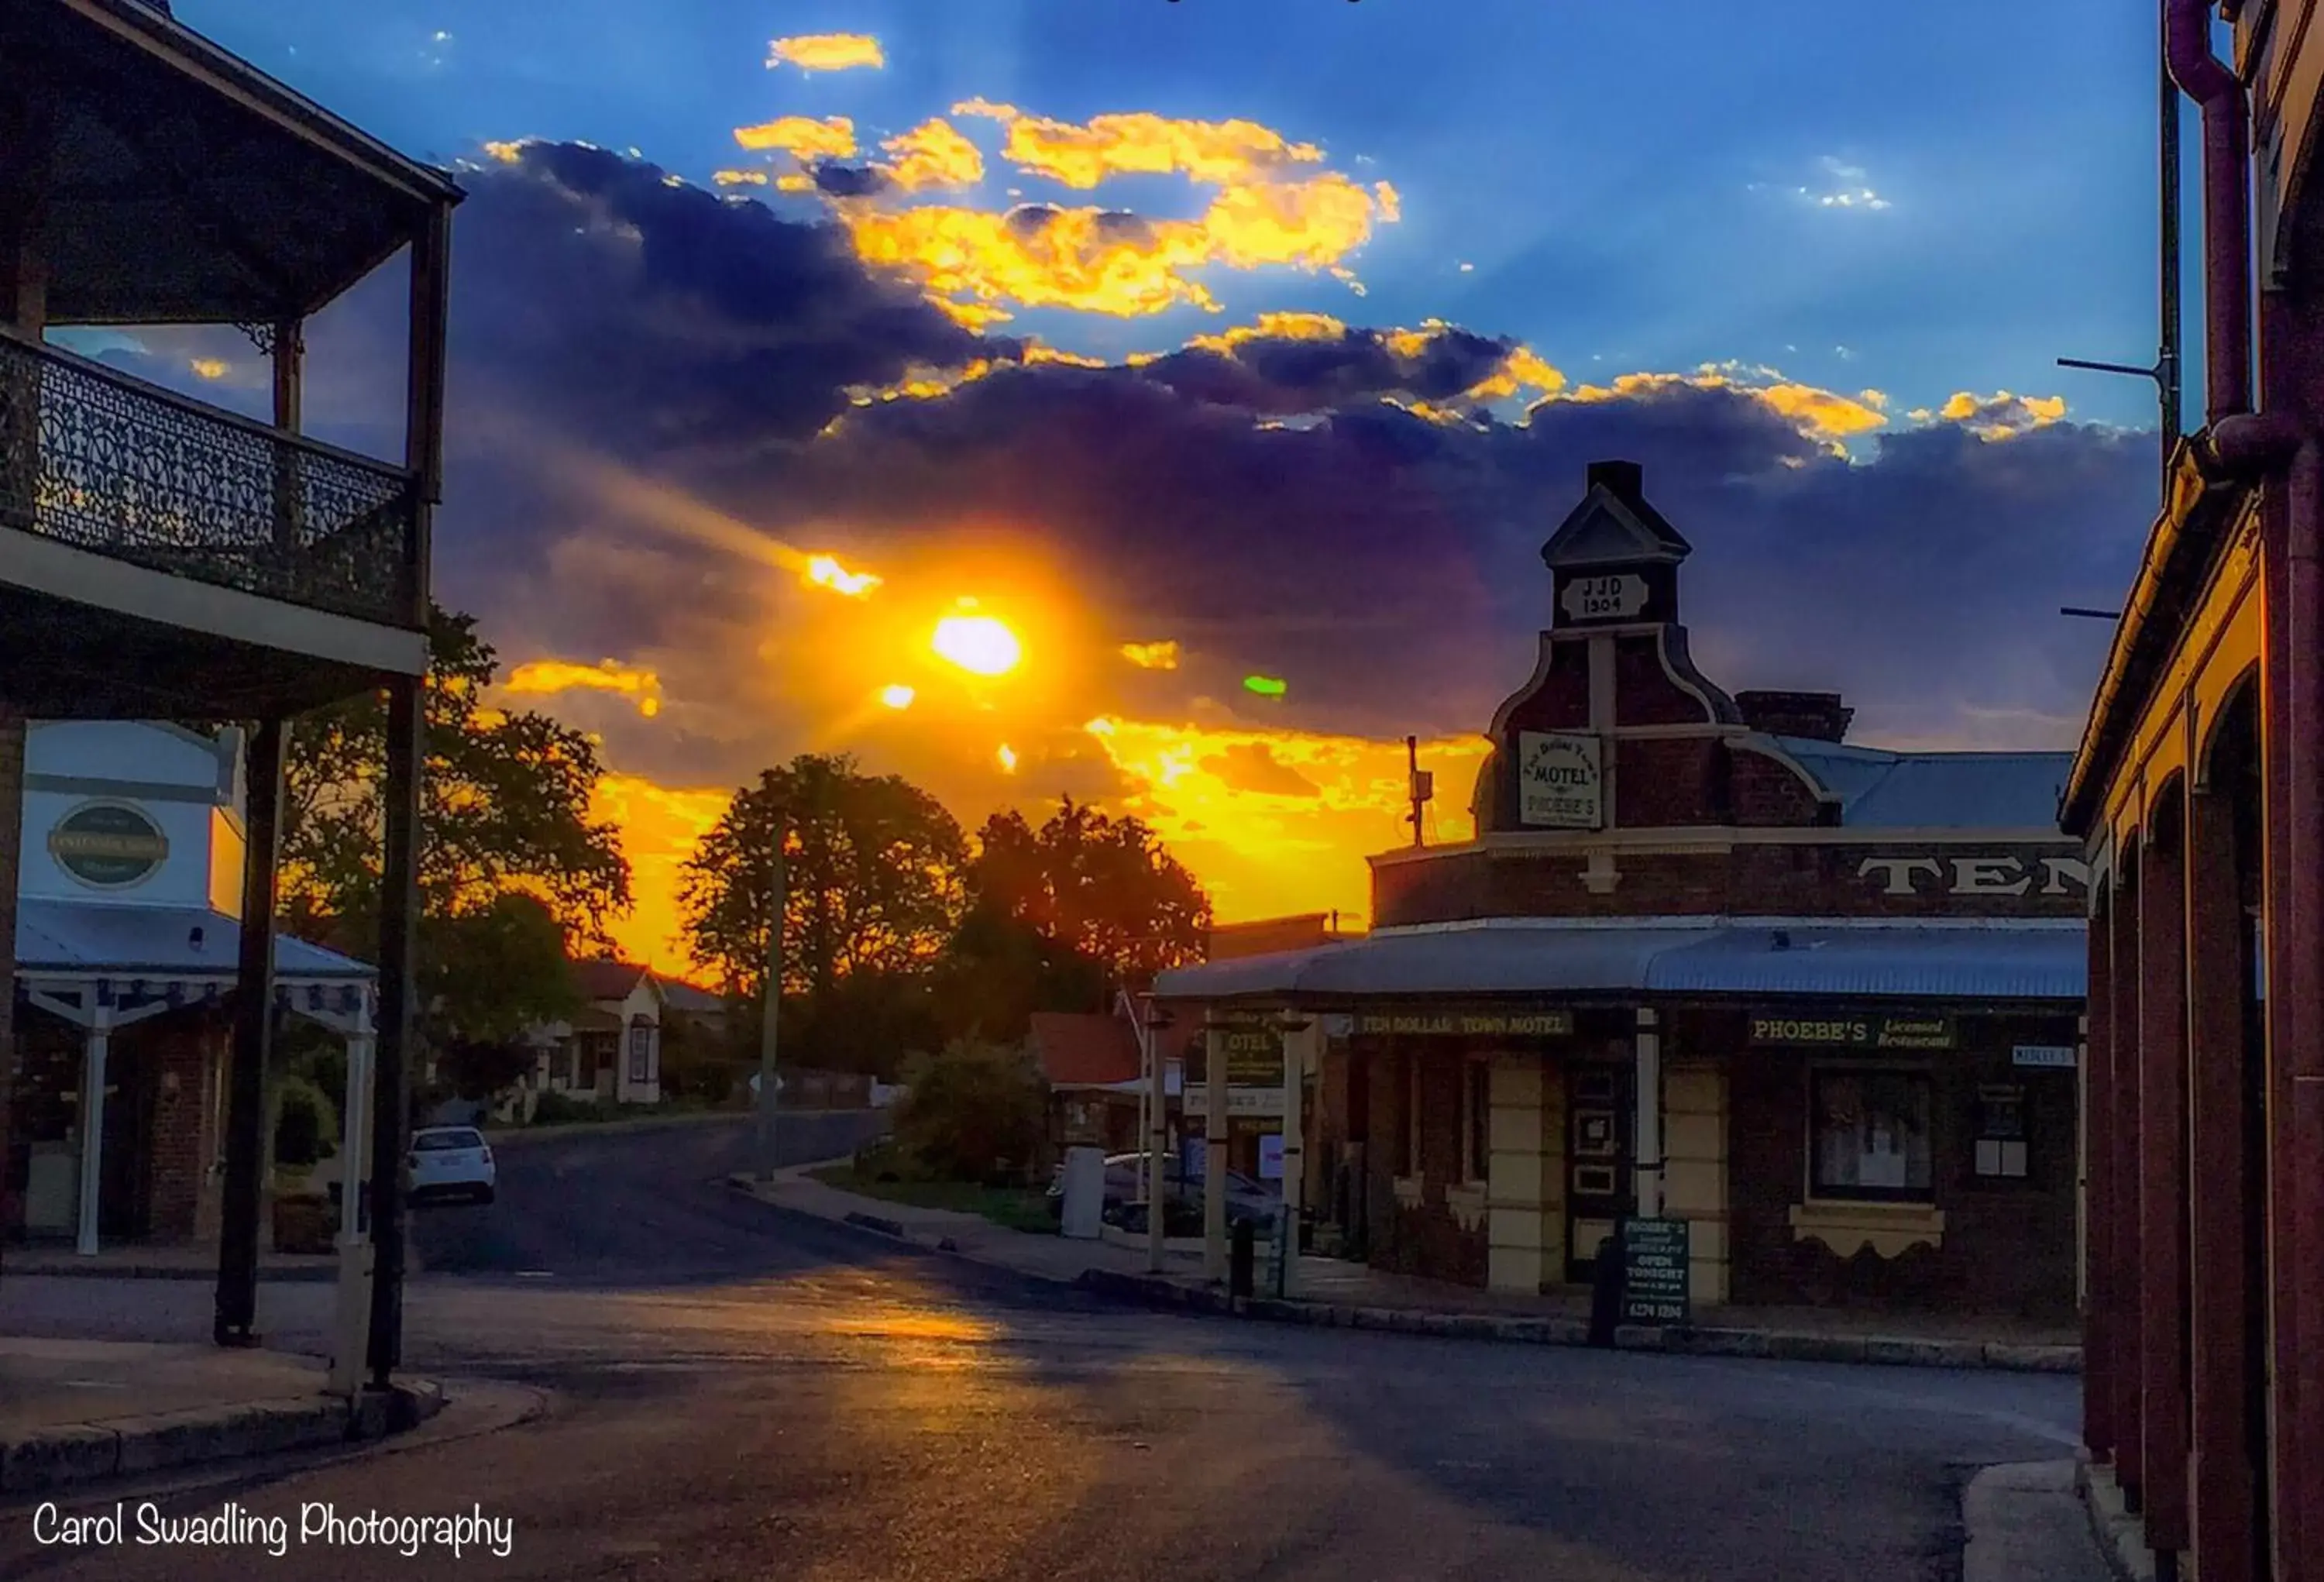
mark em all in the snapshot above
pixel 1276 821
pixel 1216 154
pixel 1998 416
pixel 975 262
pixel 933 154
pixel 801 137
pixel 739 178
pixel 1272 208
pixel 1820 414
pixel 824 571
pixel 544 678
pixel 1151 656
pixel 211 367
pixel 826 52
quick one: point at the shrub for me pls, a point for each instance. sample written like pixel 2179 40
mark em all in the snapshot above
pixel 304 1123
pixel 975 1112
pixel 557 1109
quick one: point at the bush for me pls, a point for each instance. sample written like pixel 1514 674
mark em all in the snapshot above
pixel 304 1123
pixel 557 1109
pixel 976 1113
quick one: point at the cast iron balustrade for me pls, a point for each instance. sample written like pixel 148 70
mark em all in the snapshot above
pixel 110 464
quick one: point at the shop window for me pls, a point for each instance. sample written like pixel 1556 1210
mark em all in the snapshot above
pixel 1477 1120
pixel 2001 1131
pixel 1869 1134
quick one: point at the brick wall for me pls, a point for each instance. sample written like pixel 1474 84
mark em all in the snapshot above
pixel 177 1051
pixel 1751 879
pixel 1667 783
pixel 1766 793
pixel 2006 1247
pixel 1644 691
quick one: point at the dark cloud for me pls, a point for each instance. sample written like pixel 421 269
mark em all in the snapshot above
pixel 1288 375
pixel 1385 564
pixel 1250 766
pixel 838 180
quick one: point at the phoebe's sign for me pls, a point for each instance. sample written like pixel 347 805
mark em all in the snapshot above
pixel 109 845
pixel 1978 875
pixel 1560 782
pixel 1854 1032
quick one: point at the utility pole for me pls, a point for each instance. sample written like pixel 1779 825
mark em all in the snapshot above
pixel 771 1006
pixel 1418 786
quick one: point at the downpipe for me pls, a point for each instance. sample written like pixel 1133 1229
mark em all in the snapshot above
pixel 2206 79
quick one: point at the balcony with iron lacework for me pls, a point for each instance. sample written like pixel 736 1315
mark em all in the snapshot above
pixel 159 555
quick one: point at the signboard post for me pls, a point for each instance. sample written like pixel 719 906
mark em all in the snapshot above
pixel 1654 1286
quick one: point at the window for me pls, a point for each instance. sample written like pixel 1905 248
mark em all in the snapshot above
pixel 1477 1119
pixel 1869 1134
pixel 2001 1131
pixel 1408 1163
pixel 642 1053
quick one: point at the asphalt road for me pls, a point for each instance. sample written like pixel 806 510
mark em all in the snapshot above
pixel 836 1409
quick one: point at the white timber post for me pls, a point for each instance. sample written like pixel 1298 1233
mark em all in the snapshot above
pixel 92 1120
pixel 1647 1105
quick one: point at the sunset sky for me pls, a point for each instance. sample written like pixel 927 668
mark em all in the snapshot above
pixel 1192 342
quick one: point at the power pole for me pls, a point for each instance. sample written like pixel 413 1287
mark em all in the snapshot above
pixel 1418 786
pixel 771 1002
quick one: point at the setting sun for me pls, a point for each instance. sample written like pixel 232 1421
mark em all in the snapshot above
pixel 978 645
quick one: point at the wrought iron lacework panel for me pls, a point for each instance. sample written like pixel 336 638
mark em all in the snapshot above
pixel 127 470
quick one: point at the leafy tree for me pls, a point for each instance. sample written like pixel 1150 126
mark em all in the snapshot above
pixel 975 1112
pixel 873 878
pixel 476 1069
pixel 513 873
pixel 1103 887
pixel 999 970
pixel 497 969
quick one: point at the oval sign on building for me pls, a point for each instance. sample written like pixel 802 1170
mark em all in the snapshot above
pixel 109 845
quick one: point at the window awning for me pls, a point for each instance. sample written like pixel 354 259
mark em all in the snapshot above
pixel 1996 961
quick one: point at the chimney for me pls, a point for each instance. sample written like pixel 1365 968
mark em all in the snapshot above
pixel 1624 480
pixel 1816 716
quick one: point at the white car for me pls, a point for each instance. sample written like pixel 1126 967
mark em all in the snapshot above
pixel 449 1161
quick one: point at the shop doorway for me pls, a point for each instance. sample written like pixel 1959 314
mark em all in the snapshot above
pixel 1598 1180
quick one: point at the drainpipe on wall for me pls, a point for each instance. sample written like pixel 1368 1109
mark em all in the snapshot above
pixel 2226 205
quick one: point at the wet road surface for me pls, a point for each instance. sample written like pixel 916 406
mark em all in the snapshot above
pixel 735 1392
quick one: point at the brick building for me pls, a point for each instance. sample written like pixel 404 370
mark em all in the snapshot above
pixel 1706 960
pixel 129 882
pixel 2199 789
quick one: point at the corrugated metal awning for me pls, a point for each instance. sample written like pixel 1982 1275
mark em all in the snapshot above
pixel 178 954
pixel 2001 962
pixel 1940 963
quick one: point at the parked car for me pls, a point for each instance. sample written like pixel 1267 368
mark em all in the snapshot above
pixel 449 1161
pixel 1125 1192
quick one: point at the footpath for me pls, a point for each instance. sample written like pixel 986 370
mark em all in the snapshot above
pixel 1335 1293
pixel 76 1412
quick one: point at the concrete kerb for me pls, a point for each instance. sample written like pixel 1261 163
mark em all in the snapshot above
pixel 80 1453
pixel 1155 1291
pixel 323 1272
pixel 506 1136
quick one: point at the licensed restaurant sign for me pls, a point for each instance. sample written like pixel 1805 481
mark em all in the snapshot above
pixel 1655 1286
pixel 1482 1023
pixel 1847 1032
